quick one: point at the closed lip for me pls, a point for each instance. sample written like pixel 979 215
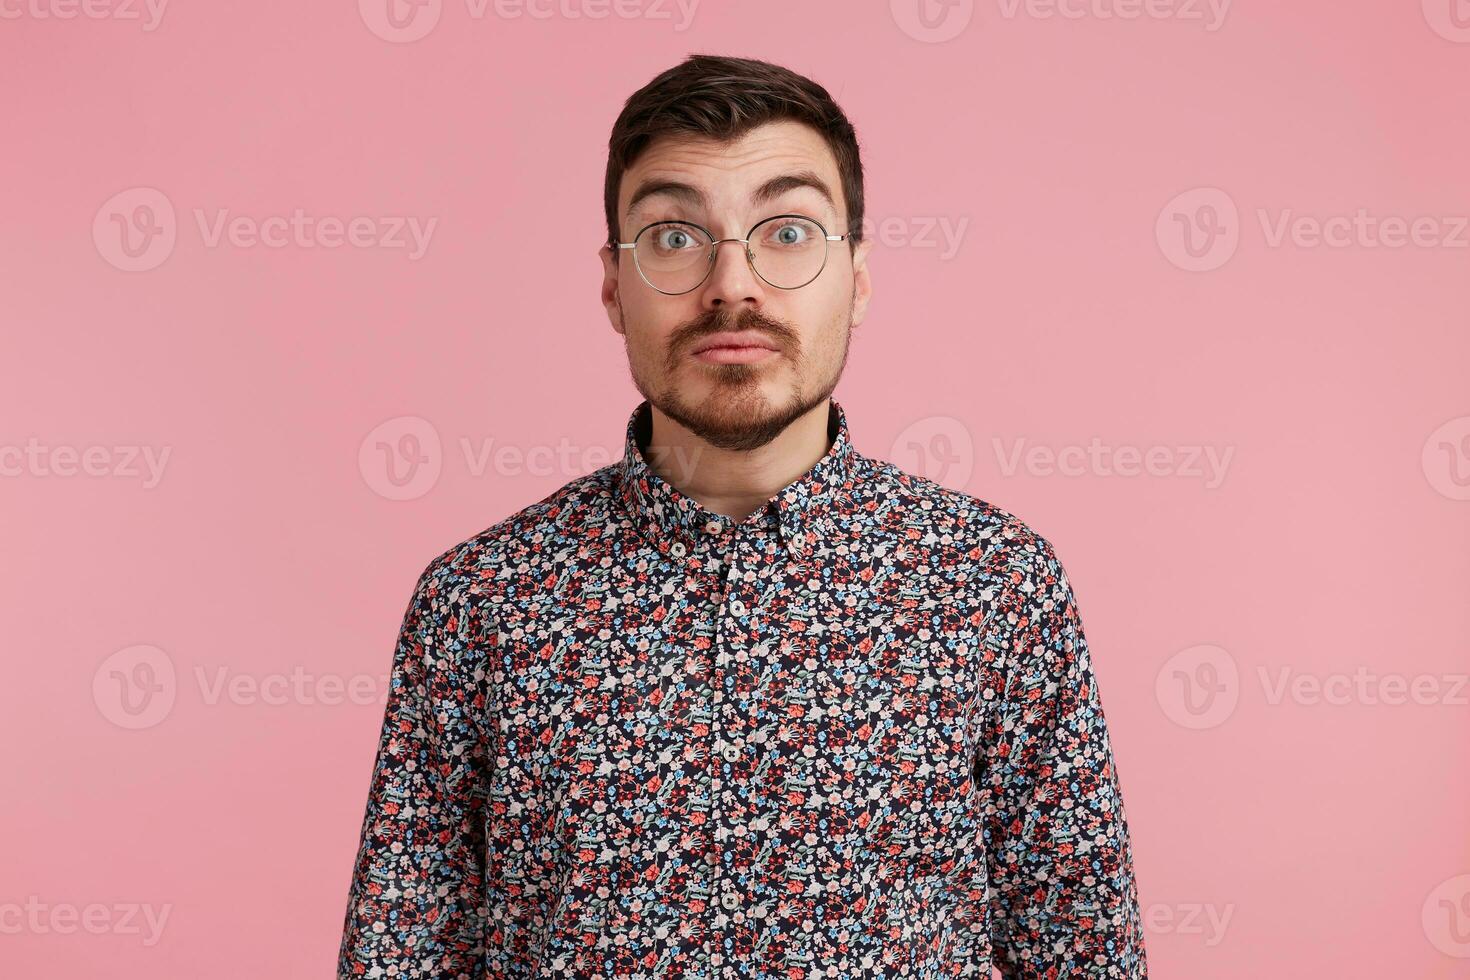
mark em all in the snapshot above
pixel 745 338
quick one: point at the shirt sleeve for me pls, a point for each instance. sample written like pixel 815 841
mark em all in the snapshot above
pixel 416 903
pixel 1063 900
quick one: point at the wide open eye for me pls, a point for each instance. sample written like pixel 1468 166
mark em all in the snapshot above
pixel 791 233
pixel 672 239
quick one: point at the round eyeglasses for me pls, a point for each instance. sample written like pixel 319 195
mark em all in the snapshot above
pixel 787 251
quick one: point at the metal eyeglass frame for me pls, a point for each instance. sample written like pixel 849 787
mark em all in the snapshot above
pixel 715 243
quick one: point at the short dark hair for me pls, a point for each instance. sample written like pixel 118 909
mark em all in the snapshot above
pixel 723 98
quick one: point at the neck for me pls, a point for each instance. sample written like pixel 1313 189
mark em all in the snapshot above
pixel 735 483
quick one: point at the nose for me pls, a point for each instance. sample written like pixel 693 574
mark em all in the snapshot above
pixel 733 279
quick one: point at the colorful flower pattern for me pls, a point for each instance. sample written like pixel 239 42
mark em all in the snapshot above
pixel 854 735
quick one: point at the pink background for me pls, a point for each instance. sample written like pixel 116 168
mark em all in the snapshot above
pixel 1277 831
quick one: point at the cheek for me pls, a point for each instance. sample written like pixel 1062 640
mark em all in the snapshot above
pixel 648 326
pixel 835 294
pixel 828 315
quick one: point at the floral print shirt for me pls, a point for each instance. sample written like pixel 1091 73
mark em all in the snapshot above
pixel 854 735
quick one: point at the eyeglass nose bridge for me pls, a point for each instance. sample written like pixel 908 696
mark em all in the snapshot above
pixel 714 250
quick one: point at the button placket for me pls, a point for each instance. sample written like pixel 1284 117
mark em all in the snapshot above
pixel 719 749
pixel 741 596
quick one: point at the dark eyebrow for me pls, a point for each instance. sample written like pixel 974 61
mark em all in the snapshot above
pixel 687 193
pixel 770 190
pixel 777 186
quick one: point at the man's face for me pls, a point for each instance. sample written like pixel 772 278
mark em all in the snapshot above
pixel 778 352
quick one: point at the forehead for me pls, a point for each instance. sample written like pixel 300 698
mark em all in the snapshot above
pixel 728 173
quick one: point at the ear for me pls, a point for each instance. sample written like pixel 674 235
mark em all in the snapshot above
pixel 862 285
pixel 610 302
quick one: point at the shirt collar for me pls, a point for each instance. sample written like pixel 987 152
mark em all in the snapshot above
pixel 803 513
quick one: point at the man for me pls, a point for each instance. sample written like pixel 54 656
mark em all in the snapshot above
pixel 747 703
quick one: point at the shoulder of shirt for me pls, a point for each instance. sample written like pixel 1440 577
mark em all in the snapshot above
pixel 955 527
pixel 472 565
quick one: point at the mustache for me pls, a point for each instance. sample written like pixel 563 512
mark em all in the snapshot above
pixel 782 336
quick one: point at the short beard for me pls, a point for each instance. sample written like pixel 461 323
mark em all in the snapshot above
pixel 737 423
